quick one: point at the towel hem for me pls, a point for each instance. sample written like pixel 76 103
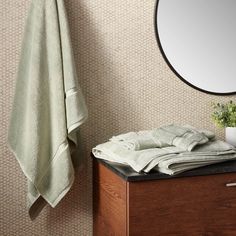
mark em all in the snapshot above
pixel 44 196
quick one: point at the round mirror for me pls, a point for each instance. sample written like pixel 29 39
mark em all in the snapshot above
pixel 197 39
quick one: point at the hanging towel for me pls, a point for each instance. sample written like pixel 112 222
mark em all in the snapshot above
pixel 48 106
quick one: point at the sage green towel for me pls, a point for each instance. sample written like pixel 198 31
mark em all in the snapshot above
pixel 170 160
pixel 48 106
pixel 185 137
pixel 212 152
pixel 138 160
pixel 169 149
pixel 138 140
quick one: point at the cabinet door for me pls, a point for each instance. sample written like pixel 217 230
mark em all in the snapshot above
pixel 189 206
pixel 109 202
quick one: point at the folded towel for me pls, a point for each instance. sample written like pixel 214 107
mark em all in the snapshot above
pixel 210 153
pixel 48 106
pixel 138 140
pixel 185 137
pixel 167 159
pixel 138 160
pixel 209 134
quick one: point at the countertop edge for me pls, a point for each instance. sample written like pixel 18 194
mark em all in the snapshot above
pixel 127 174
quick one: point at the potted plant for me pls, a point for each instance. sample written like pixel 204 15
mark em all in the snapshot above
pixel 224 116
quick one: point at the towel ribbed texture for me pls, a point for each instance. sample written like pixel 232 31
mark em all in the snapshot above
pixel 170 149
pixel 48 106
pixel 185 137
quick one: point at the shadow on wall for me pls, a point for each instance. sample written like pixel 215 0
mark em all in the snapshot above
pixel 96 72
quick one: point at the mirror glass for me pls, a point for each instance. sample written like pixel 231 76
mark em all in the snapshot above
pixel 197 38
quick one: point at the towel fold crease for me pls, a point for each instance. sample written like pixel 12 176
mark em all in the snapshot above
pixel 169 149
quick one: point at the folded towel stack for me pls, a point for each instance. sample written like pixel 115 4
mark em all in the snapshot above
pixel 170 149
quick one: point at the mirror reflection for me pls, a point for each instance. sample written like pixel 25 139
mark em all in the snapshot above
pixel 198 41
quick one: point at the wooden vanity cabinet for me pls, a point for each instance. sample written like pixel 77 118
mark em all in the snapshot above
pixel 197 202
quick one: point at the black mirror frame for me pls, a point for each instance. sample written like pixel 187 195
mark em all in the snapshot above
pixel 171 67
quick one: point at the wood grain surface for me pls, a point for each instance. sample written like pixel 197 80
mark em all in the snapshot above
pixel 193 206
pixel 109 202
pixel 189 206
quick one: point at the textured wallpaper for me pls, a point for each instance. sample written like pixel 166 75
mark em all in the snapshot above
pixel 127 86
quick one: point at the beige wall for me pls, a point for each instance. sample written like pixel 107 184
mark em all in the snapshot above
pixel 127 86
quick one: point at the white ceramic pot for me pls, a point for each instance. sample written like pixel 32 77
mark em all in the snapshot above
pixel 230 135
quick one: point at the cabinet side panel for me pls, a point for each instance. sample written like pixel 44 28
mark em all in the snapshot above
pixel 193 206
pixel 109 202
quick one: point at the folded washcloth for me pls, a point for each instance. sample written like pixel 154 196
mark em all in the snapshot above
pixel 185 137
pixel 48 106
pixel 209 134
pixel 138 140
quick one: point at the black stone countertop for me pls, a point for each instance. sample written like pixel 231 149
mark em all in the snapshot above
pixel 129 174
